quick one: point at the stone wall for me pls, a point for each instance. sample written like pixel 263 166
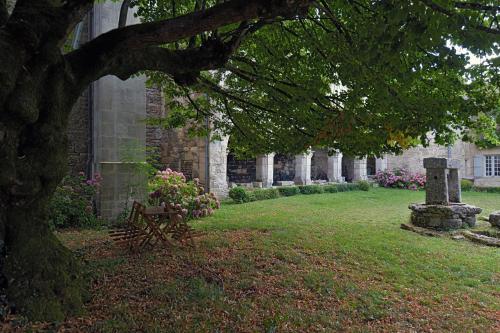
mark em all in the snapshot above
pixel 182 153
pixel 412 159
pixel 78 135
pixel 284 167
pixel 155 108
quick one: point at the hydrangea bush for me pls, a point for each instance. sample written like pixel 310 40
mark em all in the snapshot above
pixel 187 197
pixel 400 178
pixel 73 202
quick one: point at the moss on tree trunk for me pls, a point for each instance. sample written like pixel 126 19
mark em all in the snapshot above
pixel 44 278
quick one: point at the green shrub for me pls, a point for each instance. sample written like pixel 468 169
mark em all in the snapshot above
pixel 265 194
pixel 251 196
pixel 352 187
pixel 466 184
pixel 363 185
pixel 487 189
pixel 72 204
pixel 311 189
pixel 345 187
pixel 332 188
pixel 239 195
pixel 288 191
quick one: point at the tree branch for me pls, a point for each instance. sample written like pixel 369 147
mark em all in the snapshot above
pixel 124 13
pixel 431 4
pixel 121 45
pixel 45 23
pixel 183 65
pixel 4 14
pixel 476 6
pixel 185 26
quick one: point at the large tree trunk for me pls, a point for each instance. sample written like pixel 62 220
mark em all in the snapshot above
pixel 41 278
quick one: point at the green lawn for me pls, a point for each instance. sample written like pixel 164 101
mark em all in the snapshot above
pixel 325 262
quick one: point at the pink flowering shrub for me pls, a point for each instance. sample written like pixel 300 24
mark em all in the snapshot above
pixel 400 178
pixel 73 202
pixel 187 197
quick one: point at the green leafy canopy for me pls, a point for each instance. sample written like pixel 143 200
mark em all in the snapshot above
pixel 364 77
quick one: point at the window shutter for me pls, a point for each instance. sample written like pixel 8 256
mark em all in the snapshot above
pixel 479 166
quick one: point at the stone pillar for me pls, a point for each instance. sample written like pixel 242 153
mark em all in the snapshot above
pixel 119 131
pixel 360 172
pixel 265 169
pixel 303 168
pixel 381 164
pixel 217 168
pixel 454 189
pixel 436 187
pixel 335 168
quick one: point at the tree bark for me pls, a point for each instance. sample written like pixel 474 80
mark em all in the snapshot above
pixel 40 277
pixel 43 280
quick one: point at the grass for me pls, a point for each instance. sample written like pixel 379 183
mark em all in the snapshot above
pixel 326 262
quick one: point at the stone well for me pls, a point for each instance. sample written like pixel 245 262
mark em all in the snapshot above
pixel 443 209
pixel 495 219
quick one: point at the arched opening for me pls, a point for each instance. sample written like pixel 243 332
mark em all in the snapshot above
pixel 319 165
pixel 348 168
pixel 371 166
pixel 240 170
pixel 284 168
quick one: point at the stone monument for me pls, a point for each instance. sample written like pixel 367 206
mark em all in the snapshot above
pixel 443 209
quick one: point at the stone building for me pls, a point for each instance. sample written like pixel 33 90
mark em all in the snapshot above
pixel 108 134
pixel 482 166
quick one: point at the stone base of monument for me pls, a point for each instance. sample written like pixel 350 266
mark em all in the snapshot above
pixel 495 219
pixel 444 217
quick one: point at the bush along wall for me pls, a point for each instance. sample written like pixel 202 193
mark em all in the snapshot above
pixel 242 195
pixel 486 189
pixel 400 178
pixel 72 205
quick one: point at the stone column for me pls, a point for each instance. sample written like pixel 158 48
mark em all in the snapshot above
pixel 303 168
pixel 454 189
pixel 119 131
pixel 436 187
pixel 381 164
pixel 360 172
pixel 265 169
pixel 217 167
pixel 335 168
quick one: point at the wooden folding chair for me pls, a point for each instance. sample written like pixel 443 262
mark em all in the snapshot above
pixel 154 231
pixel 134 233
pixel 178 227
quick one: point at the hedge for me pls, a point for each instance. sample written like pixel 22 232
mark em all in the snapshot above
pixel 288 191
pixel 486 189
pixel 242 195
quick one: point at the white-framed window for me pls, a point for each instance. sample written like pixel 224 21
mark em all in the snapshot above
pixel 492 165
